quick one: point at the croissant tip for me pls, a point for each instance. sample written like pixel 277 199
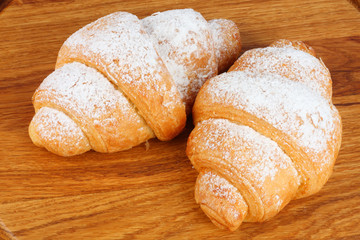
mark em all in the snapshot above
pixel 219 220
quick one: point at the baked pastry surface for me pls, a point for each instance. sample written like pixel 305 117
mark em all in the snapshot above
pixel 266 132
pixel 120 81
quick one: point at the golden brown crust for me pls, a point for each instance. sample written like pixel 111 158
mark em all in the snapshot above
pixel 227 42
pixel 271 136
pixel 114 88
pixel 106 118
pixel 263 174
pixel 226 208
pixel 145 82
pixel 291 59
pixel 57 139
pixel 299 45
pixel 184 41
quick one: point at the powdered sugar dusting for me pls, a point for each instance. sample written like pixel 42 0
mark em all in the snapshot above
pixel 249 156
pixel 57 130
pixel 119 45
pixel 88 96
pixel 226 37
pixel 219 186
pixel 292 63
pixel 84 90
pixel 221 196
pixel 254 155
pixel 278 202
pixel 219 41
pixel 117 39
pixel 182 39
pixel 289 106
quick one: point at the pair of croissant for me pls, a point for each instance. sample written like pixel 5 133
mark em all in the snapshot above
pixel 265 132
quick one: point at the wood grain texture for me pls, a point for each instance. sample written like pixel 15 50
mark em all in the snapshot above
pixel 149 194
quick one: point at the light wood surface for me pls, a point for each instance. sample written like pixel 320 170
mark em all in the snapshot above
pixel 149 194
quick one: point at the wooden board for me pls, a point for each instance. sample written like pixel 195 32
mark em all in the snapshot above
pixel 149 194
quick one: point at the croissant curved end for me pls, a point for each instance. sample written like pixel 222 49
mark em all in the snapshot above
pixel 227 42
pixel 220 200
pixel 58 133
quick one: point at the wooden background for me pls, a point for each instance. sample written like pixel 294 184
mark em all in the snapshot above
pixel 149 194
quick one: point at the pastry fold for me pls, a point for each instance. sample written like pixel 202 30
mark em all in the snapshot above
pixel 120 81
pixel 268 128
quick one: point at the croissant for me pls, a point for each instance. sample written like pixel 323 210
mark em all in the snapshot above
pixel 120 81
pixel 266 132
